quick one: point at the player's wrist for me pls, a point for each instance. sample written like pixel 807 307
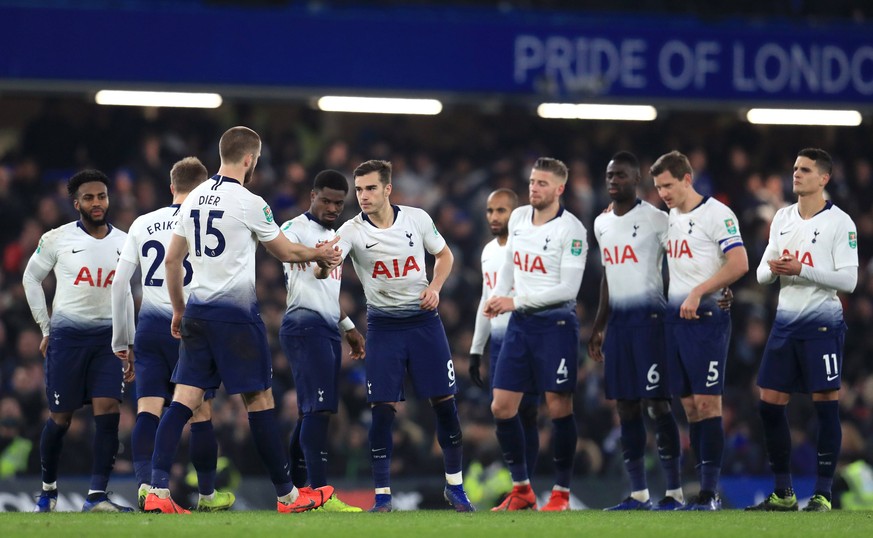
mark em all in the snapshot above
pixel 346 324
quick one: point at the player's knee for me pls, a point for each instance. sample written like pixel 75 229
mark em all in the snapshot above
pixel 502 410
pixel 657 408
pixel 628 409
pixel 527 411
pixel 708 408
pixel 62 420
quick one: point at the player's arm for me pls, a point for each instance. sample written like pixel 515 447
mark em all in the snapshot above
pixel 325 254
pixel 500 302
pixel 595 343
pixel 735 266
pixel 481 332
pixel 34 274
pixel 174 279
pixel 442 268
pixel 764 273
pixel 122 308
pixel 354 338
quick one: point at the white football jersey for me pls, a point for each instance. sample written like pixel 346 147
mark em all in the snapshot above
pixel 696 245
pixel 493 257
pixel 390 261
pixel 828 241
pixel 223 222
pixel 632 252
pixel 539 252
pixel 85 268
pixel 146 246
pixel 308 295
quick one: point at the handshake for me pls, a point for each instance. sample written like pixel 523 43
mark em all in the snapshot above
pixel 328 255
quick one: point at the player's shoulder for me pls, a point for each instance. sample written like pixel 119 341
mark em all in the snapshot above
pixel 491 247
pixel 569 220
pixel 415 213
pixel 58 234
pixel 839 214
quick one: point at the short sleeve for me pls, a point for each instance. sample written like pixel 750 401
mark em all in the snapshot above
pixel 433 241
pixel 660 224
pixel 291 232
pixel 259 219
pixel 723 227
pixel 347 235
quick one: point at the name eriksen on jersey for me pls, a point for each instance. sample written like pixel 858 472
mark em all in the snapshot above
pixel 161 226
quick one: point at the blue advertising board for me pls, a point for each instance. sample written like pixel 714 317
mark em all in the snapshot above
pixel 467 52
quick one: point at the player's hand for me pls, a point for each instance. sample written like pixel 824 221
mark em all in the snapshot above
pixel 122 354
pixel 129 370
pixel 176 326
pixel 302 266
pixel 328 255
pixel 595 346
pixel 475 364
pixel 785 265
pixel 356 342
pixel 726 300
pixel 430 298
pixel 688 310
pixel 44 345
pixel 498 305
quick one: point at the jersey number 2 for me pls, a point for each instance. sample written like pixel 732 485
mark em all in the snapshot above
pixel 158 247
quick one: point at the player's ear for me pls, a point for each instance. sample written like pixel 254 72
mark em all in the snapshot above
pixel 388 189
pixel 561 187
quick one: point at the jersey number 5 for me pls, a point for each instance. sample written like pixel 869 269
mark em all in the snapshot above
pixel 214 214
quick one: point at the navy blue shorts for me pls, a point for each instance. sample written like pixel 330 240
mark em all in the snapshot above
pixel 421 349
pixel 496 345
pixel 539 354
pixel 696 355
pixel 315 363
pixel 802 365
pixel 74 375
pixel 635 362
pixel 216 352
pixel 155 356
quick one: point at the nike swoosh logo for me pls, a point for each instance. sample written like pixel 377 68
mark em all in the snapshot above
pixel 371 246
pixel 377 449
pixel 783 233
pixel 832 377
pixel 652 387
pixel 78 251
pixel 823 454
pixel 711 383
pixel 516 232
pixel 452 384
pixel 559 381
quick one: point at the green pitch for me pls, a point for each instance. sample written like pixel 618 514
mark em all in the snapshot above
pixel 440 524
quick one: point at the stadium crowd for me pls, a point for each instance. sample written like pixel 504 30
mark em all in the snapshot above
pixel 446 165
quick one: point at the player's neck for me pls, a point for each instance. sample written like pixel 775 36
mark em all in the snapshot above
pixel 542 216
pixel 501 239
pixel 693 200
pixel 98 231
pixel 809 206
pixel 620 208
pixel 383 218
pixel 179 198
pixel 235 172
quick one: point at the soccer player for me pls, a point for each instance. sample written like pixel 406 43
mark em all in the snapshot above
pixel 545 260
pixel 309 334
pixel 631 313
pixel 705 253
pixel 223 338
pixel 499 207
pixel 80 367
pixel 813 251
pixel 404 332
pixel 155 350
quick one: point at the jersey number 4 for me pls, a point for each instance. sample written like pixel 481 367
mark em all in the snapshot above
pixel 213 215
